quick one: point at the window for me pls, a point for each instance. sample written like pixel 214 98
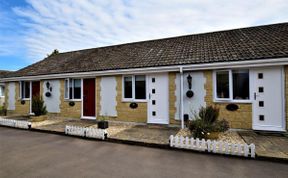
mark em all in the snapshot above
pixel 134 87
pixel 140 87
pixel 222 79
pixel 2 89
pixel 66 95
pixel 128 87
pixel 24 90
pixel 72 89
pixel 232 85
pixel 240 84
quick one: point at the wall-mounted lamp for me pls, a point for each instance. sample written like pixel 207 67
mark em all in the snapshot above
pixel 48 86
pixel 189 80
pixel 189 93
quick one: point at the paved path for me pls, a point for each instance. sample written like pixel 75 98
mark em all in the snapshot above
pixel 32 154
pixel 267 145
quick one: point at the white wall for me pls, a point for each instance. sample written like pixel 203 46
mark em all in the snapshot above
pixel 53 102
pixel 198 87
pixel 11 96
pixel 108 95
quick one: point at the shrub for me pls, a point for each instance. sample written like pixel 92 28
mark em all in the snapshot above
pixel 206 121
pixel 209 114
pixel 38 106
pixel 3 111
pixel 221 126
pixel 199 128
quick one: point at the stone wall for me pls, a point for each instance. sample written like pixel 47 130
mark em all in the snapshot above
pixel 242 118
pixel 98 97
pixel 124 112
pixel 172 99
pixel 65 109
pixel 20 109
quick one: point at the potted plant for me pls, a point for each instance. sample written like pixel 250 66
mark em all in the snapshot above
pixel 103 123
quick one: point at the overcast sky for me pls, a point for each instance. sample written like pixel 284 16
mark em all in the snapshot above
pixel 31 29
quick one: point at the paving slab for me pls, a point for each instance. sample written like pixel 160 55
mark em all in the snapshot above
pixel 60 126
pixel 267 145
pixel 146 134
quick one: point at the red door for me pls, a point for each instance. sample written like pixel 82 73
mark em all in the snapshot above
pixel 89 97
pixel 35 90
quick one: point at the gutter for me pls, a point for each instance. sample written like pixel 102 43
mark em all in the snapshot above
pixel 145 70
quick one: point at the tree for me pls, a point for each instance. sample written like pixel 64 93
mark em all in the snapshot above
pixel 55 52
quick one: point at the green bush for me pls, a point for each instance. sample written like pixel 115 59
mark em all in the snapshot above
pixel 206 121
pixel 3 111
pixel 209 114
pixel 221 126
pixel 199 128
pixel 38 106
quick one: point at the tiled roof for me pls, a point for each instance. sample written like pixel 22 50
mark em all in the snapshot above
pixel 253 43
pixel 3 73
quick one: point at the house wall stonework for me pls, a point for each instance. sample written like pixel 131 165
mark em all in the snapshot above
pixel 65 109
pixel 124 112
pixel 242 118
pixel 98 96
pixel 20 109
pixel 172 99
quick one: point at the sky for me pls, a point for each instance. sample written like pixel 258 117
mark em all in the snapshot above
pixel 31 29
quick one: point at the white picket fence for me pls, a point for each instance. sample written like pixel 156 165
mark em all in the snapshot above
pixel 212 146
pixel 15 123
pixel 86 132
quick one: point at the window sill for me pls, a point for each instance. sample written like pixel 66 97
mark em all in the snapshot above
pixel 24 99
pixel 133 101
pixel 233 101
pixel 2 96
pixel 69 100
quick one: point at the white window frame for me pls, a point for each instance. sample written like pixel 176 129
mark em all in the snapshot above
pixel 2 94
pixel 20 90
pixel 230 99
pixel 133 99
pixel 72 84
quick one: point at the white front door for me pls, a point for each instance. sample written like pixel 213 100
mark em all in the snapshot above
pixel 158 98
pixel 268 99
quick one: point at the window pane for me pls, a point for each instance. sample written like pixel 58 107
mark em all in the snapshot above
pixel 71 88
pixel 77 89
pixel 1 90
pixel 66 89
pixel 222 79
pixel 140 87
pixel 240 84
pixel 127 87
pixel 22 89
pixel 26 89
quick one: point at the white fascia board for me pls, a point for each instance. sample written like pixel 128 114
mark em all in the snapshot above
pixel 145 70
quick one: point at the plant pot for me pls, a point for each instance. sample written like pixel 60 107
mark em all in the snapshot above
pixel 213 135
pixel 103 125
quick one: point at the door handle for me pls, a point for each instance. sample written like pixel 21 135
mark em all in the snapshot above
pixel 255 96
